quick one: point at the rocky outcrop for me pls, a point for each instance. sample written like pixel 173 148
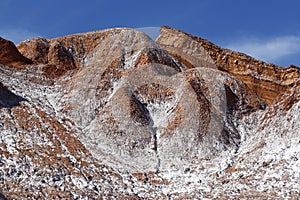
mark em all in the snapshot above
pixel 10 56
pixel 113 47
pixel 113 114
pixel 53 57
pixel 267 80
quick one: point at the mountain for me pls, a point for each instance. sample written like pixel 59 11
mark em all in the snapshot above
pixel 113 114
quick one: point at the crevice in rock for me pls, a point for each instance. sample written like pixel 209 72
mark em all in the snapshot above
pixel 141 114
pixel 231 100
pixel 230 134
pixel 155 147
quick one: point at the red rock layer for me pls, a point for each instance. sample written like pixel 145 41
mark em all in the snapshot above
pixel 267 80
pixel 10 56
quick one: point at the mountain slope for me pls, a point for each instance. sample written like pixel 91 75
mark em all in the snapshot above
pixel 266 79
pixel 113 114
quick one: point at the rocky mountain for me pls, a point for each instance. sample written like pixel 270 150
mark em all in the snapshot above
pixel 113 114
pixel 265 79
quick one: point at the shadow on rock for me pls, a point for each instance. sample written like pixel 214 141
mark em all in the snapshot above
pixel 9 99
pixel 2 197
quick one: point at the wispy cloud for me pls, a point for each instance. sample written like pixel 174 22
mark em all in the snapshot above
pixel 153 32
pixel 16 35
pixel 270 50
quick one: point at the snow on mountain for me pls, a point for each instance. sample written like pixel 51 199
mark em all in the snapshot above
pixel 112 114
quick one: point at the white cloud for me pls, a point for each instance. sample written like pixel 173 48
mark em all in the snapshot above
pixel 16 35
pixel 153 32
pixel 270 50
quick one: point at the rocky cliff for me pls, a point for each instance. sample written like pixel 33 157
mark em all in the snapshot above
pixel 265 79
pixel 114 114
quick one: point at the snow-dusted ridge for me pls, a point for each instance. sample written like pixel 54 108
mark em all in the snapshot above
pixel 112 114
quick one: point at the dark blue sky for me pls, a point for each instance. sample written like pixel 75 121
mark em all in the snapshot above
pixel 269 30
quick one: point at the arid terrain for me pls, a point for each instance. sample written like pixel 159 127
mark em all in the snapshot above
pixel 112 114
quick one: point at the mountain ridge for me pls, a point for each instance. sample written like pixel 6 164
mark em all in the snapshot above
pixel 114 114
pixel 262 75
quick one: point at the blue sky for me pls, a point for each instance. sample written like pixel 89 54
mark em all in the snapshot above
pixel 268 30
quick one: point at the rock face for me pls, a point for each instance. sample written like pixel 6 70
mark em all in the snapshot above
pixel 10 56
pixel 266 79
pixel 113 114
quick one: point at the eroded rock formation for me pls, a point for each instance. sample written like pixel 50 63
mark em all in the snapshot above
pixel 10 56
pixel 113 114
pixel 266 79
